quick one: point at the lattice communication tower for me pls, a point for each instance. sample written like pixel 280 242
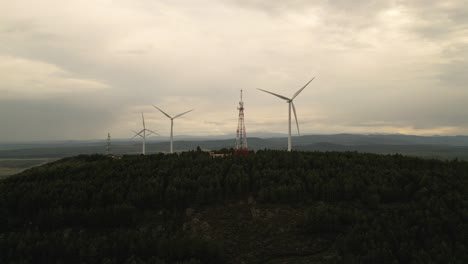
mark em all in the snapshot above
pixel 241 136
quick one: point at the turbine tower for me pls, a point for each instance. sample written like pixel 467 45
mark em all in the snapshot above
pixel 172 122
pixel 241 136
pixel 108 144
pixel 291 104
pixel 143 134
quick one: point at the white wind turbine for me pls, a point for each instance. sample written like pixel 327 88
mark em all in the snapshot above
pixel 291 104
pixel 172 122
pixel 143 134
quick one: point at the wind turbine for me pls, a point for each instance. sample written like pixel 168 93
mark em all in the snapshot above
pixel 172 122
pixel 143 133
pixel 291 104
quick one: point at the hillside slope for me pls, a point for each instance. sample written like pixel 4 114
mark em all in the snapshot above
pixel 268 207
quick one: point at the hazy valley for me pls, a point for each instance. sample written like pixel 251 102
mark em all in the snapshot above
pixel 14 157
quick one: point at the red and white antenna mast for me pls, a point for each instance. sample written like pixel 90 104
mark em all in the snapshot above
pixel 241 136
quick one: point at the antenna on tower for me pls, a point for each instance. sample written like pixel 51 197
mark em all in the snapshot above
pixel 108 144
pixel 241 136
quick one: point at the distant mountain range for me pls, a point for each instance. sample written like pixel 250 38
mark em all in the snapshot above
pixel 446 147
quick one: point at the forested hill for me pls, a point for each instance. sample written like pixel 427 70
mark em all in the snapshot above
pixel 267 207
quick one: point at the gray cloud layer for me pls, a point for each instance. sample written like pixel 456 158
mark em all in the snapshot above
pixel 77 69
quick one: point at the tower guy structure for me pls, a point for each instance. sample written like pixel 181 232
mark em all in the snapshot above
pixel 241 136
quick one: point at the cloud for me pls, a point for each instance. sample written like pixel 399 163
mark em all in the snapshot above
pixel 54 119
pixel 23 78
pixel 440 20
pixel 382 66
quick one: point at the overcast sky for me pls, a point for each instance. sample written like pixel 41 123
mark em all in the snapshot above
pixel 78 69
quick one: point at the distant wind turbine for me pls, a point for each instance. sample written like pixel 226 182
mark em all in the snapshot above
pixel 143 134
pixel 172 122
pixel 291 104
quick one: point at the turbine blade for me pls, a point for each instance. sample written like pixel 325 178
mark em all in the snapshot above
pixel 143 118
pixel 152 132
pixel 300 90
pixel 295 117
pixel 280 96
pixel 182 114
pixel 137 134
pixel 162 112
